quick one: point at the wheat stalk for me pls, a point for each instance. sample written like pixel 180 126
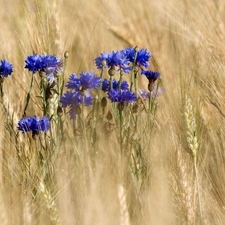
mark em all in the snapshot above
pixel 192 140
pixel 3 215
pixel 50 203
pixel 124 214
pixel 191 127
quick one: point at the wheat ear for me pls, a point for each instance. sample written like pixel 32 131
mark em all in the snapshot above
pixel 50 203
pixel 124 214
pixel 192 140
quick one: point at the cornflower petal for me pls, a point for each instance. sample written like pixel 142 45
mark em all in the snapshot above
pixel 34 124
pixel 151 75
pixel 89 81
pixel 122 96
pixel 6 68
pixel 74 82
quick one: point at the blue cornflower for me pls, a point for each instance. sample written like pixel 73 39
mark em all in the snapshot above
pixel 121 96
pixel 114 59
pixel 142 59
pixel 89 81
pixel 73 99
pixel 50 61
pixel 34 124
pixel 5 68
pixel 74 82
pixel 86 81
pixel 103 60
pixel 121 60
pixel 49 64
pixel 106 85
pixel 34 63
pixel 151 75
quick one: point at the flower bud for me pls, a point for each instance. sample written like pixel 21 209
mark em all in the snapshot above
pixel 104 102
pixel 151 85
pixel 66 54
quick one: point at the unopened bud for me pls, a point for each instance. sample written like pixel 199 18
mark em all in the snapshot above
pixel 66 54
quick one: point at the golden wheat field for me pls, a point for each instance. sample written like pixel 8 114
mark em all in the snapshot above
pixel 160 162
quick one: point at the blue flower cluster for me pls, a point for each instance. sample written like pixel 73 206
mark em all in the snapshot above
pixel 117 91
pixel 118 94
pixel 80 91
pixel 123 59
pixel 49 64
pixel 86 81
pixel 5 69
pixel 121 96
pixel 34 124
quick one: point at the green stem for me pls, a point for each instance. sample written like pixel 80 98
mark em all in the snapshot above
pixel 28 96
pixel 111 83
pixel 149 108
pixel 63 74
pixel 121 126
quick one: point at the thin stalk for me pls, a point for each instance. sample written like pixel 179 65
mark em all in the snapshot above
pixel 135 83
pixel 111 83
pixel 149 108
pixel 43 93
pixel 121 79
pixel 121 127
pixel 28 96
pixel 63 74
pixel 133 78
pixel 198 188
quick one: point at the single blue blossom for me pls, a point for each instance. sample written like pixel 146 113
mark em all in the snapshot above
pixel 114 59
pixel 121 96
pixel 71 98
pixel 34 124
pixel 34 63
pixel 74 82
pixel 89 81
pixel 5 68
pixel 49 64
pixel 142 58
pixel 151 75
pixel 86 81
pixel 50 61
pixel 121 60
pixel 103 60
pixel 74 99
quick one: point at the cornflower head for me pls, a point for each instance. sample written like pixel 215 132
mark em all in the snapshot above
pixel 34 124
pixel 152 77
pixel 115 85
pixel 86 81
pixel 5 69
pixel 74 99
pixel 142 58
pixel 121 96
pixel 112 60
pixel 51 65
